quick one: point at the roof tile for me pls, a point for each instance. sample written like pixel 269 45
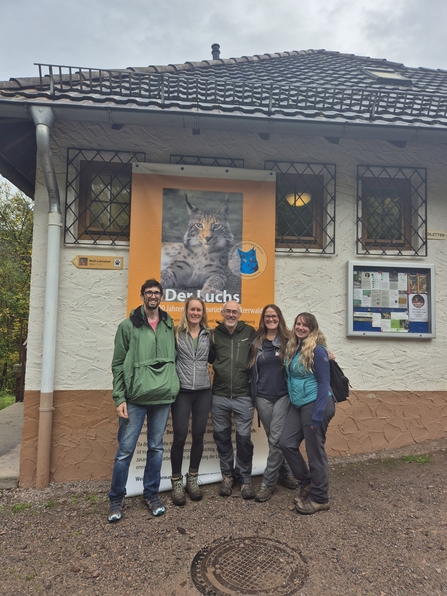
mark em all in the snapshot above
pixel 298 84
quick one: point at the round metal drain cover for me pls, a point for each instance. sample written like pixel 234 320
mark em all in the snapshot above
pixel 248 567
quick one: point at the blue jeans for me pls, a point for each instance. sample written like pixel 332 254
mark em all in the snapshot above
pixel 128 434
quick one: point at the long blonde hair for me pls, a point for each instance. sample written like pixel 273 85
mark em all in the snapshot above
pixel 183 324
pixel 314 338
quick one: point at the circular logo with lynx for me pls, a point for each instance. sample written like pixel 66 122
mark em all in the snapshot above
pixel 248 259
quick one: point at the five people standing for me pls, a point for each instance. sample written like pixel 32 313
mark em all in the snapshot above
pixel 154 367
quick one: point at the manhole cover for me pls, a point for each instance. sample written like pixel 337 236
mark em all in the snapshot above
pixel 248 567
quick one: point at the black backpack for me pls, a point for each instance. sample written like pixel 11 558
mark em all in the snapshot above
pixel 338 382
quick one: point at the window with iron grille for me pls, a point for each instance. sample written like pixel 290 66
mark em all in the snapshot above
pixel 98 196
pixel 391 211
pixel 305 207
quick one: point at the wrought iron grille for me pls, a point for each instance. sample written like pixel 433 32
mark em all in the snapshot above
pixel 305 206
pixel 202 160
pixel 98 196
pixel 391 211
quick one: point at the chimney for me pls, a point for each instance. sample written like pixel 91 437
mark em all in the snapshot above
pixel 215 51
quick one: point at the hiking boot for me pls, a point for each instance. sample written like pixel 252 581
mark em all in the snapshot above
pixel 304 491
pixel 288 481
pixel 226 488
pixel 264 493
pixel 178 492
pixel 115 511
pixel 247 491
pixel 308 507
pixel 192 486
pixel 155 505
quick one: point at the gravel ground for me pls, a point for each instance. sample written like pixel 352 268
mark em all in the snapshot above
pixel 385 534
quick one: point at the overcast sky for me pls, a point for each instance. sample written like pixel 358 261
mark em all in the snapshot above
pixel 117 34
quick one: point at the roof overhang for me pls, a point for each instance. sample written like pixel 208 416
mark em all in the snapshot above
pixel 118 116
pixel 398 133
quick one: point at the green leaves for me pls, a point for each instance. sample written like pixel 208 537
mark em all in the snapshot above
pixel 16 233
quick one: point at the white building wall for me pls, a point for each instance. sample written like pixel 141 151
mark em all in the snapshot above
pixel 93 302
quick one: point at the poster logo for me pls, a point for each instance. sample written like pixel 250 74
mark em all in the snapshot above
pixel 248 259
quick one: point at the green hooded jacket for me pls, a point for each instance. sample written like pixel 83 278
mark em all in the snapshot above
pixel 143 364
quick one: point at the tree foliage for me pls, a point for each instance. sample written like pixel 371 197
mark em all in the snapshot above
pixel 16 232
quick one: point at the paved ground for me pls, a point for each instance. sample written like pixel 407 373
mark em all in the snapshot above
pixel 11 421
pixel 384 535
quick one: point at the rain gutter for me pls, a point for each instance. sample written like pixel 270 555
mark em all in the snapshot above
pixel 194 119
pixel 44 118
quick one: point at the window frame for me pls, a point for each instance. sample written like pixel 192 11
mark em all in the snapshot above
pixel 83 166
pixel 320 180
pixel 403 186
pixel 411 184
pixel 89 172
pixel 304 183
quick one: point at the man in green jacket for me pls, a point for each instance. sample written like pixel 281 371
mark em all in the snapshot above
pixel 145 383
pixel 231 395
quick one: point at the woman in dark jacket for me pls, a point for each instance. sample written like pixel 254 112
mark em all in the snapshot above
pixel 269 390
pixel 194 399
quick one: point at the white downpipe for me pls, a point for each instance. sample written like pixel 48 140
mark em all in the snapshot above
pixel 43 119
pixel 51 303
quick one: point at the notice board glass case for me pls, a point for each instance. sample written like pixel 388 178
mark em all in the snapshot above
pixel 391 300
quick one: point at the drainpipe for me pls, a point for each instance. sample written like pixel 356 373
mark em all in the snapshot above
pixel 44 119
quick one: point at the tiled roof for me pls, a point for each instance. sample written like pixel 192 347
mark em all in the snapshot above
pixel 313 84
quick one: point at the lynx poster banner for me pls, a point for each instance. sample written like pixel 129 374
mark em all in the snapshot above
pixel 209 232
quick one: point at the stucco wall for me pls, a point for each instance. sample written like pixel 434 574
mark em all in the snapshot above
pixel 93 302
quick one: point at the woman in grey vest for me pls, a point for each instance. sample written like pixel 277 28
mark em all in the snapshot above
pixel 194 399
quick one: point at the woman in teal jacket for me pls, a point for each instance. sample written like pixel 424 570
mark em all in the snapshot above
pixel 312 407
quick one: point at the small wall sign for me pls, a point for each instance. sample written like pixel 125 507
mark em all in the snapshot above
pixel 436 235
pixel 86 262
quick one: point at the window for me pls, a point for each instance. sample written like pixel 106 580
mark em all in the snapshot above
pixel 98 196
pixel 385 76
pixel 391 211
pixel 305 207
pixel 104 200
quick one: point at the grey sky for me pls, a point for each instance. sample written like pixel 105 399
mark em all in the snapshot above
pixel 117 34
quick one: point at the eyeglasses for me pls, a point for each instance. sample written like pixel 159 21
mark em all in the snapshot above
pixel 271 317
pixel 231 312
pixel 150 293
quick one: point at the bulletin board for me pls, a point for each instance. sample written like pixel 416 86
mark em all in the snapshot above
pixel 391 300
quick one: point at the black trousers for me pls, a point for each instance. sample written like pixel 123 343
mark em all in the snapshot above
pixel 195 404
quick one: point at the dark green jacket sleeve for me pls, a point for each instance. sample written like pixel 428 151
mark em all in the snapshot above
pixel 122 341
